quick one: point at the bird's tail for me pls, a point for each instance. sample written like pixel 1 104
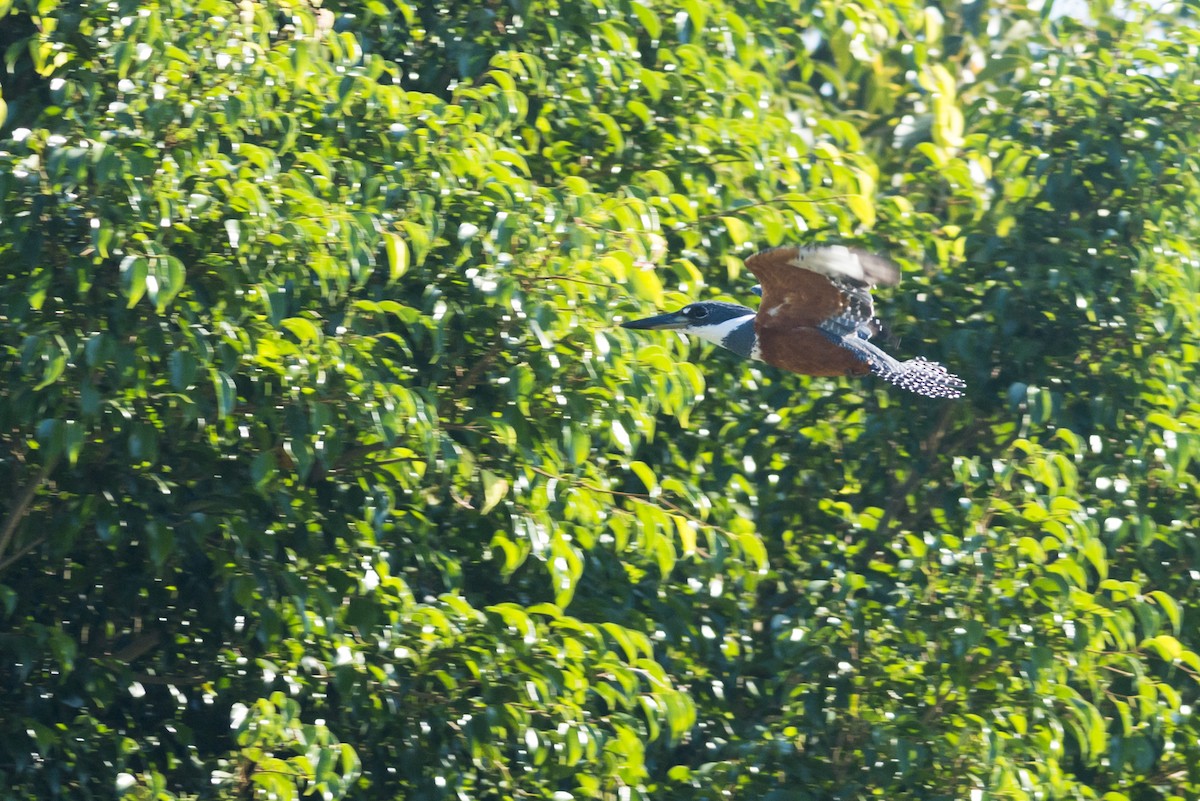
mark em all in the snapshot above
pixel 916 375
pixel 920 376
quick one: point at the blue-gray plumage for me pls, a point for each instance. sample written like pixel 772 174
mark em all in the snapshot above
pixel 741 339
pixel 816 318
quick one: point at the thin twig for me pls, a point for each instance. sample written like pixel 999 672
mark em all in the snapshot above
pixel 772 202
pixel 138 647
pixel 17 513
pixel 150 678
pixel 563 278
pixel 662 503
pixel 472 377
pixel 24 549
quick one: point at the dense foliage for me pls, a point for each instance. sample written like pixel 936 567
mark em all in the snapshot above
pixel 330 473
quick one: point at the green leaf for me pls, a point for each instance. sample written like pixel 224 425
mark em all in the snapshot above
pixel 317 162
pixel 165 281
pixel 1169 606
pixel 134 270
pixel 1165 422
pixel 648 18
pixel 494 490
pixel 739 231
pixel 397 254
pixel 262 469
pixel 302 329
pixel 1168 648
pixel 566 568
pixel 56 364
pixel 514 554
pixel 863 208
pixel 226 393
pixel 697 13
pixel 183 368
pixel 645 475
pixel 646 285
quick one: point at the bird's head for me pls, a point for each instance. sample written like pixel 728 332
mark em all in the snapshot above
pixel 712 320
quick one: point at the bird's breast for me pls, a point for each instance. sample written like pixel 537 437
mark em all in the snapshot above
pixel 807 351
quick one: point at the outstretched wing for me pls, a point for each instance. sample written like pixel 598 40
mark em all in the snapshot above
pixel 831 260
pixel 817 315
pixel 826 287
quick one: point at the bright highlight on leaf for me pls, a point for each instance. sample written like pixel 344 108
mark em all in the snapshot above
pixel 397 253
pixel 494 490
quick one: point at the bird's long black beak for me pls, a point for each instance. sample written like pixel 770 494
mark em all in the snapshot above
pixel 659 321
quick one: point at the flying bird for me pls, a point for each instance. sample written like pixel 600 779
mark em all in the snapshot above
pixel 816 318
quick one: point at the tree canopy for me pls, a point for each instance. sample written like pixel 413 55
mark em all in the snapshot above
pixel 331 473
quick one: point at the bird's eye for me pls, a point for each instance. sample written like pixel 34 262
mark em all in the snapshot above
pixel 696 312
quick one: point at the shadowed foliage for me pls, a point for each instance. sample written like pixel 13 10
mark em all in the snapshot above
pixel 331 472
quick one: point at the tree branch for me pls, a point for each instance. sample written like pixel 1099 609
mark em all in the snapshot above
pixel 20 508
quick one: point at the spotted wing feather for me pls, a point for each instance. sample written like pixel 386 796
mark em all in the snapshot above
pixel 857 315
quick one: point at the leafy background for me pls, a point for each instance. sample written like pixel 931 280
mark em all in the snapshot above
pixel 331 474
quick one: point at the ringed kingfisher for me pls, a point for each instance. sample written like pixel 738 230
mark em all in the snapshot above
pixel 816 318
